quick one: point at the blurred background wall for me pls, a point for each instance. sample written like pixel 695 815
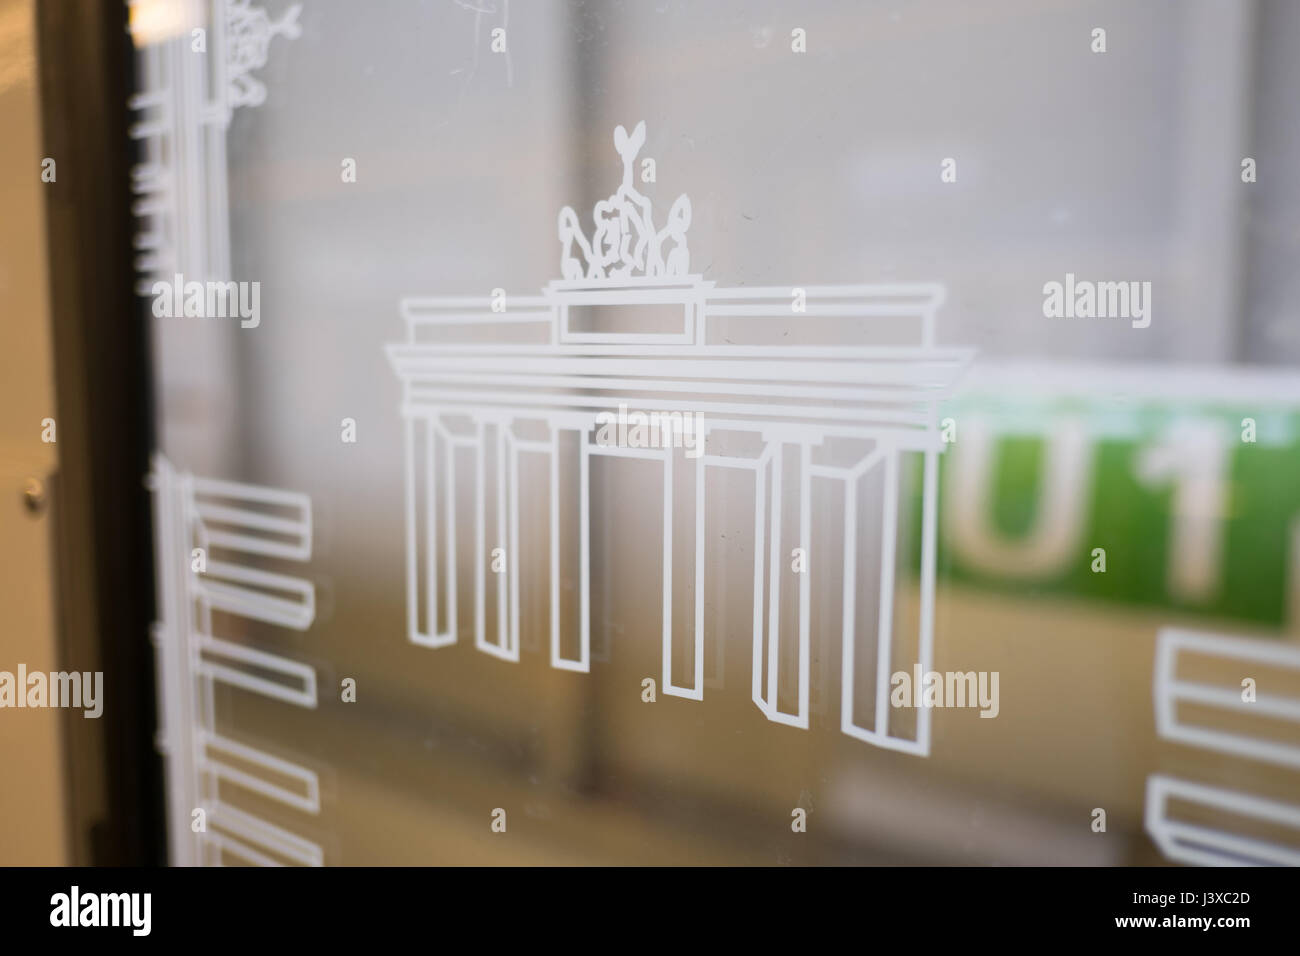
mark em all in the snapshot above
pixel 33 802
pixel 75 430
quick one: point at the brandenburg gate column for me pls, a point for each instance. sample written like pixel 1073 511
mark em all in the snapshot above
pixel 782 584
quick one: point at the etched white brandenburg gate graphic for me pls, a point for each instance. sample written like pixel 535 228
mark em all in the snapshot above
pixel 498 380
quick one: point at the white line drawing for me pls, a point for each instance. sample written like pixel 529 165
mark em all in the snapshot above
pixel 1194 842
pixel 1207 846
pixel 236 522
pixel 185 101
pixel 625 218
pixel 540 394
pixel 1170 691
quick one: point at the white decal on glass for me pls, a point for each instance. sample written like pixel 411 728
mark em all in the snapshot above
pixel 549 389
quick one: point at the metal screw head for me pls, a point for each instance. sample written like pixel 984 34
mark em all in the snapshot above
pixel 34 496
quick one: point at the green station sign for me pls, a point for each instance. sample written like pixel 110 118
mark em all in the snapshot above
pixel 1186 503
